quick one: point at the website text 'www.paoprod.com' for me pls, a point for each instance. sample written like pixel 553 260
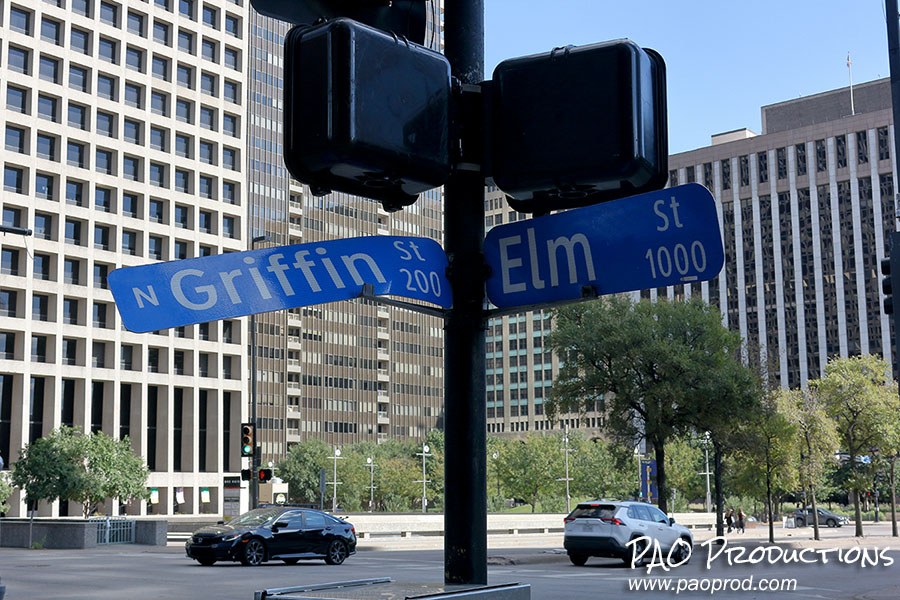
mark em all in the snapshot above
pixel 711 585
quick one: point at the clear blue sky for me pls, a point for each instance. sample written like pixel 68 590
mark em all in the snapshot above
pixel 724 58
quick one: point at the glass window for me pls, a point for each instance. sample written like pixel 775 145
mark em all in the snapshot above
pixel 47 107
pixel 210 50
pixel 134 59
pixel 43 225
pixel 230 91
pixel 14 180
pixel 12 217
pixel 182 181
pixel 42 266
pixel 183 110
pixel 136 23
pixel 109 14
pixel 82 7
pixel 70 311
pixel 208 84
pixel 159 103
pixel 210 16
pixel 181 252
pixel 49 69
pixel 79 78
pixel 101 237
pixel 231 59
pixel 131 131
pixel 130 205
pixel 229 192
pixel 16 99
pixel 8 303
pixel 104 161
pixel 75 193
pixel 80 41
pixel 100 274
pixel 161 32
pixel 161 67
pixel 158 139
pixel 70 350
pixel 181 216
pixel 43 186
pixel 207 187
pixel 108 50
pixel 78 116
pixel 186 41
pixel 15 139
pixel 157 175
pixel 103 199
pixel 20 20
pixel 208 118
pixel 19 60
pixel 129 242
pixel 183 146
pixel 51 31
pixel 106 124
pixel 134 95
pixel 106 87
pixel 46 146
pixel 228 227
pixel 76 155
pixel 229 125
pixel 186 76
pixel 186 8
pixel 207 153
pixel 9 261
pixel 131 168
pixel 73 232
pixel 155 247
pixel 166 4
pixel 100 316
pixel 204 223
pixel 232 25
pixel 229 158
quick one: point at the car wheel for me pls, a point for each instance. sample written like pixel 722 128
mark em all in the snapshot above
pixel 206 562
pixel 290 561
pixel 682 554
pixel 831 523
pixel 578 559
pixel 800 522
pixel 337 552
pixel 636 550
pixel 254 553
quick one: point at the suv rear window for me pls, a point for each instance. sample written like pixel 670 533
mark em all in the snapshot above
pixel 603 511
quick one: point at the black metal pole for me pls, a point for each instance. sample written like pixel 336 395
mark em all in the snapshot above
pixel 465 467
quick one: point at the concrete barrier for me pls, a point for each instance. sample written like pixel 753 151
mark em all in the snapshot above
pixel 150 532
pixel 57 534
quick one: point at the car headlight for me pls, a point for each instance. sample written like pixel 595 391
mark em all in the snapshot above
pixel 231 538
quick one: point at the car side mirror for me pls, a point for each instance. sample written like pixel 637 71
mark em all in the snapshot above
pixel 220 522
pixel 279 524
pixel 671 521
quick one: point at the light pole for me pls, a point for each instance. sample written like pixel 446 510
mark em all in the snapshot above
pixel 337 456
pixel 423 454
pixel 706 472
pixel 371 464
pixel 567 479
pixel 254 458
pixel 495 456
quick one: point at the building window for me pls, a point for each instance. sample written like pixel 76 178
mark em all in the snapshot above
pixel 75 154
pixel 183 146
pixel 40 306
pixel 208 118
pixel 9 261
pixel 134 59
pixel 46 146
pixel 103 199
pixel 159 103
pixel 17 99
pixel 99 316
pixel 80 41
pixel 884 143
pixel 98 355
pixel 41 266
pixel 12 217
pixel 106 87
pixel 20 20
pixel 726 174
pixel 158 174
pixel 49 69
pixel 229 192
pixel 103 161
pixel 70 351
pixel 155 247
pixel 19 60
pixel 109 14
pixel 862 148
pixel 204 223
pixel 8 300
pixel 134 95
pixel 136 23
pixel 161 32
pixel 208 84
pixel 821 158
pixel 800 149
pixel 230 125
pixel 232 59
pixel 131 131
pixel 156 211
pixel 108 51
pixel 228 227
pixel 130 205
pixel 229 158
pixel 762 165
pixel 186 8
pixel 47 108
pixel 840 143
pixel 185 41
pixel 129 242
pixel 15 139
pixel 51 31
pixel 233 26
pixel 82 7
pixel 207 153
pixel 43 226
pixel 126 362
pixel 78 116
pixel 72 271
pixel 183 111
pixel 79 78
pixel 161 68
pixel 210 50
pixel 100 275
pixel 38 348
pixel 182 181
pixel 158 139
pixel 44 186
pixel 14 180
pixel 101 237
pixel 207 187
pixel 182 214
pixel 230 91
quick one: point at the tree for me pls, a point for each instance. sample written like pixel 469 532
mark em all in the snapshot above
pixel 817 437
pixel 642 364
pixel 891 453
pixel 599 470
pixel 859 396
pixel 300 469
pixel 530 467
pixel 767 457
pixel 684 463
pixel 49 467
pixel 6 491
pixel 109 470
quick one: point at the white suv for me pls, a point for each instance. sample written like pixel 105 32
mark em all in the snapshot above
pixel 603 528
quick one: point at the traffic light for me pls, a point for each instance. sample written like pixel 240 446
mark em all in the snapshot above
pixel 365 112
pixel 265 475
pixel 887 286
pixel 248 439
pixel 246 474
pixel 579 125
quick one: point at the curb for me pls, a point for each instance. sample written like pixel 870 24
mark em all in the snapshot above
pixel 551 556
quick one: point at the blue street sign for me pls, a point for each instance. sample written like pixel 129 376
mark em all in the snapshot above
pixel 651 240
pixel 648 480
pixel 196 290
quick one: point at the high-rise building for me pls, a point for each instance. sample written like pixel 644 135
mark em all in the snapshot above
pixel 125 144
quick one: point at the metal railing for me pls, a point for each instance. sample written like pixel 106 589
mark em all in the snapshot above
pixel 114 530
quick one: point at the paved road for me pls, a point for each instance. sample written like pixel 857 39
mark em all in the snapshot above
pixel 160 573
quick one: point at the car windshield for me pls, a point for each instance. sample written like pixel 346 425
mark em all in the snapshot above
pixel 256 517
pixel 588 511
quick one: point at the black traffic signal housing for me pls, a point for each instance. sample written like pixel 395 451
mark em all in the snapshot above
pixel 246 474
pixel 265 475
pixel 365 112
pixel 887 286
pixel 248 439
pixel 405 18
pixel 578 125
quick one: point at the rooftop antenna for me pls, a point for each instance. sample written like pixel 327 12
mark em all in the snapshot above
pixel 850 72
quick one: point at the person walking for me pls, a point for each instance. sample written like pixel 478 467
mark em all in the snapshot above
pixel 729 519
pixel 741 518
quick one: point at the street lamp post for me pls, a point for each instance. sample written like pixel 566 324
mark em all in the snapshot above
pixel 567 479
pixel 371 464
pixel 337 456
pixel 254 458
pixel 423 454
pixel 495 456
pixel 706 472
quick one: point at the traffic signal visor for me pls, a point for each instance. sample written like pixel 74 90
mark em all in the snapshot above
pixel 248 439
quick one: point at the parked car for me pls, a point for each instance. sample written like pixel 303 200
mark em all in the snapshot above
pixel 284 533
pixel 804 517
pixel 603 528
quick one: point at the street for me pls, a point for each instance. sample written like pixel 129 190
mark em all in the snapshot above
pixel 141 572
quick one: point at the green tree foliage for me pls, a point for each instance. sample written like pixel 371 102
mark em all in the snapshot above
pixel 647 365
pixel 6 490
pixel 531 466
pixel 684 463
pixel 598 469
pixel 48 467
pixel 860 397
pixel 300 469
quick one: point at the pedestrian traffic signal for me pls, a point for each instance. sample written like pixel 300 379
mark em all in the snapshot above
pixel 248 439
pixel 365 112
pixel 265 475
pixel 579 125
pixel 246 474
pixel 887 286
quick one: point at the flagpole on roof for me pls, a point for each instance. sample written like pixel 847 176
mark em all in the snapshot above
pixel 850 72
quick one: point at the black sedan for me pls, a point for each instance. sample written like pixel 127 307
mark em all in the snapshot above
pixel 284 533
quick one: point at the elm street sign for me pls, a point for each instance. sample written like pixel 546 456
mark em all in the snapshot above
pixel 657 239
pixel 197 290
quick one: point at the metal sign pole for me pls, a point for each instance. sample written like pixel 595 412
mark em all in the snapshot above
pixel 465 468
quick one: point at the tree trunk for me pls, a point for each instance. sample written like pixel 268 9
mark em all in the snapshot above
pixel 30 523
pixel 815 512
pixel 857 513
pixel 893 500
pixel 720 493
pixel 769 507
pixel 661 489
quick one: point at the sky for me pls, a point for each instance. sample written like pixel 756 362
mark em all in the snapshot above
pixel 724 59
